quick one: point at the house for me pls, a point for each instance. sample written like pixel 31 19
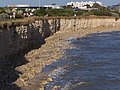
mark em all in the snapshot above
pixel 21 9
pixel 52 6
pixel 83 5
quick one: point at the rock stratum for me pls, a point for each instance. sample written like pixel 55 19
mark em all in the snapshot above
pixel 23 52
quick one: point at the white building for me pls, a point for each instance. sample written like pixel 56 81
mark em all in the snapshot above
pixel 82 5
pixel 19 5
pixel 53 6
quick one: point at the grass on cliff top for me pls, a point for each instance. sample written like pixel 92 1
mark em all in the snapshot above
pixel 10 21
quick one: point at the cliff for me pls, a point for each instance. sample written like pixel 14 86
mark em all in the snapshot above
pixel 18 37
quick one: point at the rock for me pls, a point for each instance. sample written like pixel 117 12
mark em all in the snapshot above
pixel 56 88
pixel 78 38
pixel 44 82
pixel 50 79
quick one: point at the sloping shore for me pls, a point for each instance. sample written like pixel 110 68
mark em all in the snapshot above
pixel 52 50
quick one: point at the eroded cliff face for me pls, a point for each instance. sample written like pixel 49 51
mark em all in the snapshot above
pixel 85 23
pixel 17 39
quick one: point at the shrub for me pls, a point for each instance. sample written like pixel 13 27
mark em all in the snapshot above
pixel 60 12
pixel 2 10
pixel 19 16
pixel 40 12
pixel 102 13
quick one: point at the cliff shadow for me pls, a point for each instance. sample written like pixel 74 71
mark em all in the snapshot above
pixel 49 28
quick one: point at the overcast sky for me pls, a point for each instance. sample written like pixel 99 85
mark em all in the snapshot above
pixel 44 2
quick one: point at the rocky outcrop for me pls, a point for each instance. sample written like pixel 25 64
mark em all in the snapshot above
pixel 15 38
pixel 18 38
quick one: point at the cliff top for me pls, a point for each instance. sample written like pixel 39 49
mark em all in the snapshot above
pixel 32 19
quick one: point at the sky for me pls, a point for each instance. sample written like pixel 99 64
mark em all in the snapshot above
pixel 58 2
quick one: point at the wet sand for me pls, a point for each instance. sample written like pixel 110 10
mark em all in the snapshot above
pixel 51 51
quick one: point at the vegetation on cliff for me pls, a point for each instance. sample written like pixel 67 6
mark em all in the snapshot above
pixel 17 13
pixel 70 12
pixel 96 9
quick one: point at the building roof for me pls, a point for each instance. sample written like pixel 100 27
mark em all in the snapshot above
pixel 19 5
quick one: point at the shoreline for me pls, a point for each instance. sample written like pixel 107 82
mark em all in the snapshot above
pixel 52 50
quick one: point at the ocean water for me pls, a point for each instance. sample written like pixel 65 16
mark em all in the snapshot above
pixel 93 64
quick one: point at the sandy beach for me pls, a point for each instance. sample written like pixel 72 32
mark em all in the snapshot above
pixel 51 51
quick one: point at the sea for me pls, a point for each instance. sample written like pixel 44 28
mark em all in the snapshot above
pixel 92 64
